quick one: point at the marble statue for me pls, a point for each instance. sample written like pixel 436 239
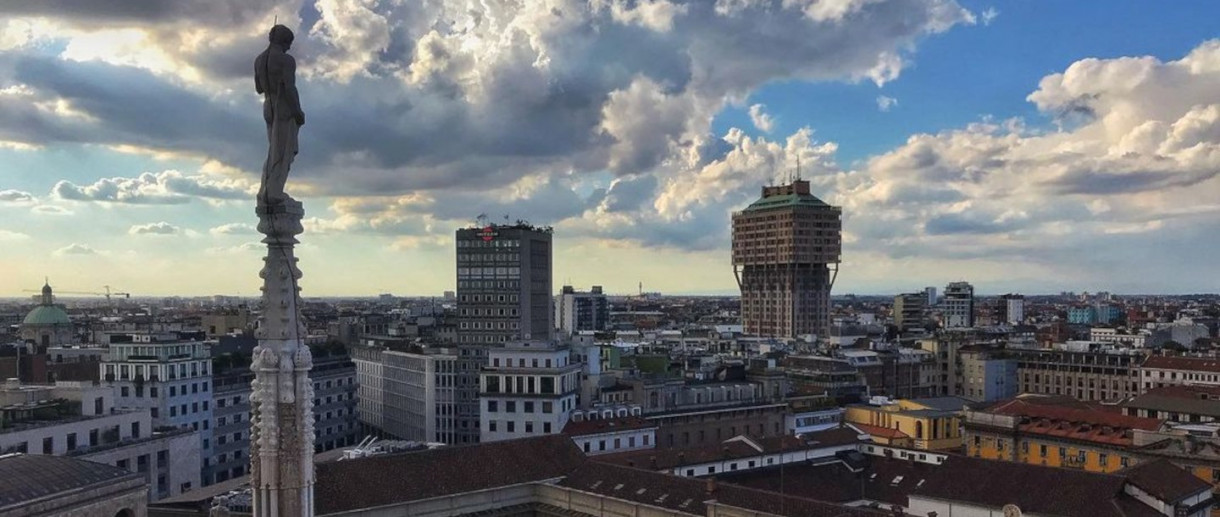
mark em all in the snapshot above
pixel 275 78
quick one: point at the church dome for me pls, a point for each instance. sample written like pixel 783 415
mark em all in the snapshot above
pixel 46 315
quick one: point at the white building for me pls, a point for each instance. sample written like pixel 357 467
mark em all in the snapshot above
pixel 370 387
pixel 577 311
pixel 609 430
pixel 957 306
pixel 87 426
pixel 527 390
pixel 1014 308
pixel 168 377
pixel 1115 336
pixel 419 393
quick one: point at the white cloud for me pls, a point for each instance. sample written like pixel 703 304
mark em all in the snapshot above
pixel 51 210
pixel 166 187
pixel 9 236
pixel 15 196
pixel 761 119
pixel 989 15
pixel 233 229
pixel 886 103
pixel 75 249
pixel 240 249
pixel 160 228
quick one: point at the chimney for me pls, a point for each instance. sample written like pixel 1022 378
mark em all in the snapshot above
pixel 711 485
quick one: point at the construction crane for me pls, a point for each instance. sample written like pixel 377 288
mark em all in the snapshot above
pixel 107 294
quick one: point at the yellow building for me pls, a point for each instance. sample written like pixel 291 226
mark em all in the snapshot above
pixel 1056 432
pixel 929 424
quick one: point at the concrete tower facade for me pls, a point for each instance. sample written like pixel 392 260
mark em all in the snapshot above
pixel 504 284
pixel 786 253
pixel 281 399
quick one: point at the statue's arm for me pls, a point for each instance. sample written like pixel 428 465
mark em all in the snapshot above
pixel 290 88
pixel 259 66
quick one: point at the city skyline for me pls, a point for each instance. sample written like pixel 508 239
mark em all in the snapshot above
pixel 1000 144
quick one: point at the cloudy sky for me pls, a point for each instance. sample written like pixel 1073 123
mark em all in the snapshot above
pixel 1024 146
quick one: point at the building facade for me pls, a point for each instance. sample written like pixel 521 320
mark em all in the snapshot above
pixel 504 284
pixel 527 390
pixel 989 375
pixel 786 254
pixel 577 311
pixel 420 395
pixel 1095 374
pixel 336 422
pixel 909 311
pixel 169 377
pixel 957 305
pixel 1014 308
pixel 78 419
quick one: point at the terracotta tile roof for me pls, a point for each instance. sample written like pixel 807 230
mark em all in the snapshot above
pixel 397 478
pixel 606 425
pixel 1074 421
pixel 1164 480
pixel 881 432
pixel 1199 364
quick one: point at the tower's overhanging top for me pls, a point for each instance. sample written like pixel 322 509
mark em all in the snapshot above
pixel 784 196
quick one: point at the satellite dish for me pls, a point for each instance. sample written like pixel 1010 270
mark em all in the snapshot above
pixel 1011 510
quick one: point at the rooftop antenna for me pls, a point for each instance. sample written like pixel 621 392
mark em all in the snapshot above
pixel 798 167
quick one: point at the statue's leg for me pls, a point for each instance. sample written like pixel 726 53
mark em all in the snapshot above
pixel 267 164
pixel 283 147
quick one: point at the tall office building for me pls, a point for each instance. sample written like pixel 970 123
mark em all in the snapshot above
pixel 786 252
pixel 577 311
pixel 1014 308
pixel 931 294
pixel 909 311
pixel 504 284
pixel 957 305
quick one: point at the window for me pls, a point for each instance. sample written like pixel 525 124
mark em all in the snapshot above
pixel 48 445
pixel 71 441
pixel 510 406
pixel 546 427
pixel 512 426
pixel 548 407
pixel 529 407
pixel 491 425
pixel 493 406
pixel 529 427
pixel 124 392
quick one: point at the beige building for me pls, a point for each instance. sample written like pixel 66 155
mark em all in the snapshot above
pixel 1094 374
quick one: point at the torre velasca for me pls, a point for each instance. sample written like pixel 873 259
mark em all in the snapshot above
pixel 786 251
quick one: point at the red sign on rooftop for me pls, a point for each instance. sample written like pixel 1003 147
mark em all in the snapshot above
pixel 488 233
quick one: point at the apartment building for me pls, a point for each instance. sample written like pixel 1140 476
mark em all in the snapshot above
pixel 527 389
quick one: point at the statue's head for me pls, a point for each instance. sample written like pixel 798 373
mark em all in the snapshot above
pixel 281 35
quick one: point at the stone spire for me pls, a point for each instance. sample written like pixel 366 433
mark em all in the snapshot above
pixel 47 298
pixel 281 401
